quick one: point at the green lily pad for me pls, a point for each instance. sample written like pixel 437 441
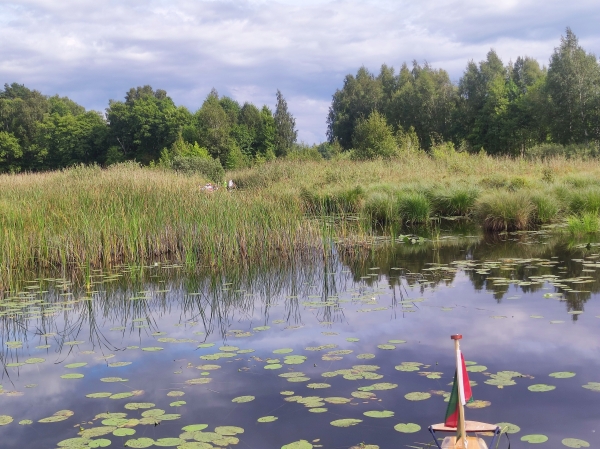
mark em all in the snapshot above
pixel 541 387
pixel 273 366
pixel 124 432
pixel 117 364
pixel 574 442
pixel 302 444
pixel 76 365
pixel 534 438
pixel 283 351
pixel 417 396
pixel 72 376
pixel 345 422
pixel 25 422
pixel 562 374
pixel 229 430
pixel 139 405
pixel 5 419
pixel 507 427
pixel 352 339
pixel 386 347
pixel 379 386
pixel 102 442
pixel 365 356
pixel 112 379
pixel 123 395
pixel 267 418
pixel 139 443
pixel 177 403
pixel 407 427
pixel 476 368
pixel 34 360
pixel 152 349
pixel 317 410
pixel 195 427
pixel 318 385
pixel 242 399
pixel 98 395
pixel 594 386
pixel 379 414
pixel 168 442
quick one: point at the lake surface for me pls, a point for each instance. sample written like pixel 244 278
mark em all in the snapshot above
pixel 146 351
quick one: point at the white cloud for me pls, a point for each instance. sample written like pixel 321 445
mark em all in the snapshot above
pixel 93 51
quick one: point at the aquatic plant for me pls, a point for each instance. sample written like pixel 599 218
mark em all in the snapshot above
pixel 505 210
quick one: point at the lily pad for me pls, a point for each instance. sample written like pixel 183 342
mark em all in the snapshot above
pixel 534 438
pixel 5 419
pixel 476 368
pixel 379 414
pixel 507 427
pixel 302 444
pixel 242 399
pixel 139 443
pixel 98 395
pixel 117 364
pixel 407 427
pixel 574 442
pixel 195 427
pixel 563 374
pixel 594 386
pixel 72 376
pixel 152 349
pixel 283 351
pixel 267 418
pixel 417 396
pixel 386 347
pixel 102 442
pixel 345 422
pixel 541 387
pixel 76 365
pixel 124 432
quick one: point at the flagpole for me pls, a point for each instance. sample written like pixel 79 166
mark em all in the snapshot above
pixel 461 434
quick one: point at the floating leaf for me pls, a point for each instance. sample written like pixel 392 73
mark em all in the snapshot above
pixel 407 427
pixel 352 339
pixel 479 404
pixel 283 351
pixel 476 368
pixel 72 376
pixel 317 410
pixel 124 432
pixel 112 379
pixel 177 403
pixel 379 414
pixel 33 360
pixel 574 442
pixel 507 427
pixel 25 422
pixel 594 386
pixel 267 419
pixel 102 442
pixel 386 347
pixel 139 443
pixel 417 396
pixel 397 342
pixel 534 438
pixel 302 444
pixel 152 349
pixel 242 399
pixel 5 419
pixel 562 374
pixel 541 387
pixel 117 364
pixel 98 395
pixel 175 393
pixel 345 422
pixel 76 365
pixel 273 366
pixel 318 385
pixel 168 442
pixel 139 405
pixel 199 381
pixel 195 427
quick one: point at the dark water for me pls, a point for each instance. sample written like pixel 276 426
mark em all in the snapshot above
pixel 419 293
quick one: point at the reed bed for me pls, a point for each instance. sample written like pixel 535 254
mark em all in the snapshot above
pixel 89 215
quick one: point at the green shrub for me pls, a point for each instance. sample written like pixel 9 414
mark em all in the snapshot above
pixel 587 223
pixel 546 208
pixel 505 211
pixel 332 202
pixel 457 201
pixel 380 207
pixel 207 167
pixel 414 207
pixel 373 138
pixel 581 201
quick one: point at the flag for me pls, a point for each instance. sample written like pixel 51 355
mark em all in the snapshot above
pixel 461 391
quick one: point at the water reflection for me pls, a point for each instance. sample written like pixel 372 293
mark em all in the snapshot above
pixel 494 292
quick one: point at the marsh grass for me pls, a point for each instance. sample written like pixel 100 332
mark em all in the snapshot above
pixel 89 215
pixel 586 223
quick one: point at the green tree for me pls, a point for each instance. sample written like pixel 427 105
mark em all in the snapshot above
pixel 574 88
pixel 359 97
pixel 266 135
pixel 374 138
pixel 72 139
pixel 214 127
pixel 145 123
pixel 285 127
pixel 10 153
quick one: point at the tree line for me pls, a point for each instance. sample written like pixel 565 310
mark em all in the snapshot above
pixel 499 108
pixel 38 132
pixel 502 109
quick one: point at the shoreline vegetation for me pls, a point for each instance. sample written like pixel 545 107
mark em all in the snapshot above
pixel 282 210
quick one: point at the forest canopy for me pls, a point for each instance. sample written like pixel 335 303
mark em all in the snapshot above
pixel 515 108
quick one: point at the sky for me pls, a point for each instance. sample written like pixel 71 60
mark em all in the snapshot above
pixel 93 51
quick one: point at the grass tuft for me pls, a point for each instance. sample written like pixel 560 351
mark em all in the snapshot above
pixel 505 211
pixel 414 207
pixel 587 223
